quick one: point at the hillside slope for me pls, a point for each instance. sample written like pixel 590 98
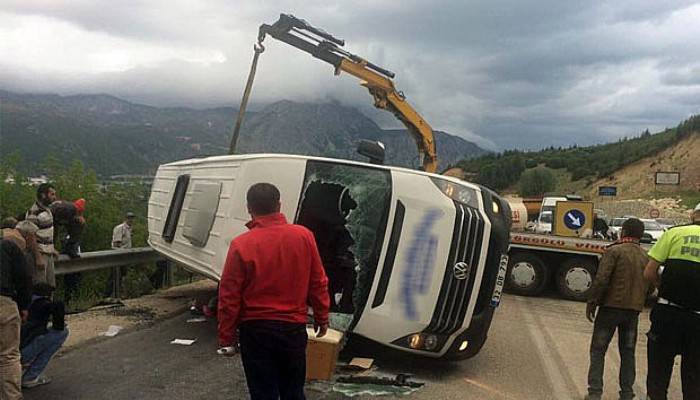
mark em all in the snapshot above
pixel 579 167
pixel 108 134
pixel 333 130
pixel 636 180
pixel 114 136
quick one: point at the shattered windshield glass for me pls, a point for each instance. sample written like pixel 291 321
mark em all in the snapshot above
pixel 346 207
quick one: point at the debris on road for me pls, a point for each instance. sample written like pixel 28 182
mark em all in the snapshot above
pixel 355 389
pixel 196 319
pixel 359 363
pixel 184 342
pixel 364 384
pixel 112 331
pixel 401 380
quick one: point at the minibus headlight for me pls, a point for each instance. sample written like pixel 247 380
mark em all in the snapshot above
pixel 464 345
pixel 415 341
pixel 422 341
pixel 457 192
pixel 430 342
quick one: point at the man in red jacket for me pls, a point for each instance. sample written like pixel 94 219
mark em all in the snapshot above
pixel 272 274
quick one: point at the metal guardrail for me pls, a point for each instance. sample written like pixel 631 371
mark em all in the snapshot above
pixel 105 259
pixel 114 259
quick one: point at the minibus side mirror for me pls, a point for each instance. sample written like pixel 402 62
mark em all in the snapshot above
pixel 374 150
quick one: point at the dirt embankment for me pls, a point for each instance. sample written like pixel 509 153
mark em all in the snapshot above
pixel 641 208
pixel 89 326
pixel 637 180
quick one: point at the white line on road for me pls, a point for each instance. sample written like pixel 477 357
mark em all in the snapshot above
pixel 552 370
pixel 488 388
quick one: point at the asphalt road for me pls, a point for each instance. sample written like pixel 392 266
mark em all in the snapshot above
pixel 537 349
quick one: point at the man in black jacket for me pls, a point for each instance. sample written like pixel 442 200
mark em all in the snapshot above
pixel 39 342
pixel 14 300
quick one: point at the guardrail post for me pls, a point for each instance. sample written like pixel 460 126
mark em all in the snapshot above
pixel 169 274
pixel 116 282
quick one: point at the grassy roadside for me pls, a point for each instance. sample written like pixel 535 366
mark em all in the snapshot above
pixel 689 198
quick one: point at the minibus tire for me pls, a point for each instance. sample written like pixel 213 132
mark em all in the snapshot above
pixel 532 268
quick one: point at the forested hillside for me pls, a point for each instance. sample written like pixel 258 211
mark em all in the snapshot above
pixel 500 171
pixel 113 136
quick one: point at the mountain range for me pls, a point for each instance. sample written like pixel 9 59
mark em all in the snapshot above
pixel 114 136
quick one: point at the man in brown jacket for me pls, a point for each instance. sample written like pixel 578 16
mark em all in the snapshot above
pixel 619 292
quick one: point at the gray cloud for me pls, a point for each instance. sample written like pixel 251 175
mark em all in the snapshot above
pixel 515 74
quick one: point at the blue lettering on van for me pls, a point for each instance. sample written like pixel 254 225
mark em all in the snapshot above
pixel 420 261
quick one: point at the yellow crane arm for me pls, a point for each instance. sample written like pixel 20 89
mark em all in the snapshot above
pixel 300 34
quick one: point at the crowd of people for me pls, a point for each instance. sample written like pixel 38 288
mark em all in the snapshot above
pixel 32 322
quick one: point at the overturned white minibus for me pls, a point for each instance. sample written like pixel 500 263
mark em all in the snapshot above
pixel 416 261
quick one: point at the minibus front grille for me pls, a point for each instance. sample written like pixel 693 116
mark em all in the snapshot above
pixel 455 293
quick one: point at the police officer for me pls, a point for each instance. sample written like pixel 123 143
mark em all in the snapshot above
pixel 675 319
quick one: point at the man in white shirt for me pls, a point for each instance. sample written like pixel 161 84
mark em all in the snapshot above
pixel 121 235
pixel 121 239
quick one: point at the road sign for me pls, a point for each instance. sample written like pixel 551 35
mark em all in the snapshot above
pixel 607 191
pixel 668 178
pixel 573 218
pixel 654 213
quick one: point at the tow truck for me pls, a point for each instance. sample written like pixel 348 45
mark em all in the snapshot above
pixel 541 258
pixel 538 259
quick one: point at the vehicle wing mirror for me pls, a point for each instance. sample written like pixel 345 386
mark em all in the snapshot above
pixel 374 150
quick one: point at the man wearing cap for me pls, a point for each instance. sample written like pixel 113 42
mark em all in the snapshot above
pixel 675 318
pixel 70 215
pixel 121 234
pixel 121 239
pixel 40 214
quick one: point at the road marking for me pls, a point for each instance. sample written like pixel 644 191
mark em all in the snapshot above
pixel 488 388
pixel 615 358
pixel 553 371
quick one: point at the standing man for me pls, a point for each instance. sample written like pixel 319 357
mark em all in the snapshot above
pixel 121 234
pixel 600 226
pixel 675 318
pixel 121 239
pixel 41 215
pixel 619 292
pixel 272 274
pixel 14 300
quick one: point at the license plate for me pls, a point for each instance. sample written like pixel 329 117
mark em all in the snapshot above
pixel 500 280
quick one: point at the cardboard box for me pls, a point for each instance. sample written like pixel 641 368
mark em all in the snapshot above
pixel 322 354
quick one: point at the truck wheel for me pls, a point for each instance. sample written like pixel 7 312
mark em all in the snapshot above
pixel 575 278
pixel 527 275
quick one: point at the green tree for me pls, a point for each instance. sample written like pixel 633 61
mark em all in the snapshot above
pixel 537 181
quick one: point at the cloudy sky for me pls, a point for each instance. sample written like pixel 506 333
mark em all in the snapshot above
pixel 508 74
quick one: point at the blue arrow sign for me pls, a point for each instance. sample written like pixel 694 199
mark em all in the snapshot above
pixel 574 219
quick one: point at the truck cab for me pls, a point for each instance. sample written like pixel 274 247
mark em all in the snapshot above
pixel 416 261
